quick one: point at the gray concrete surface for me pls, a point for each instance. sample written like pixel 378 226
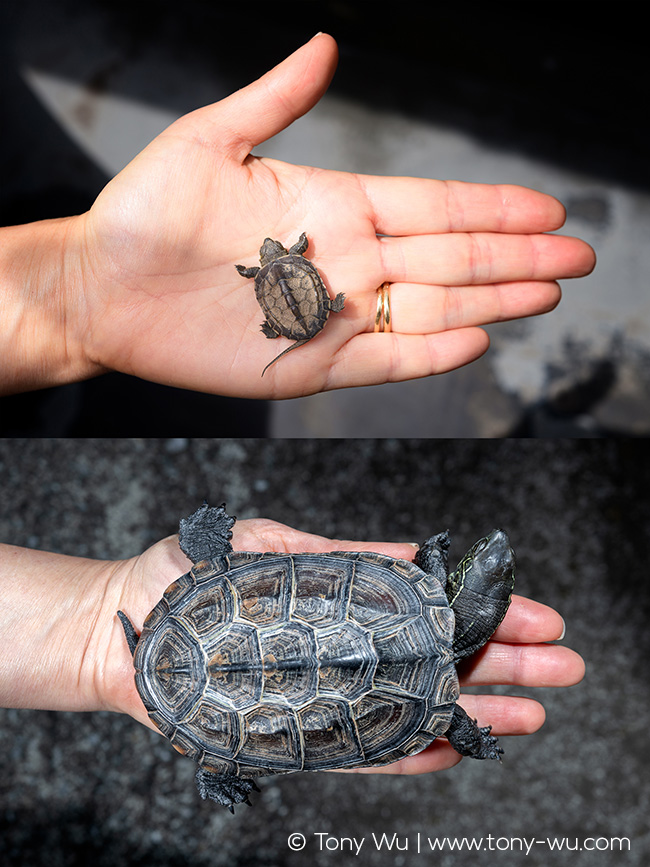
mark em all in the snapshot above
pixel 99 788
pixel 542 112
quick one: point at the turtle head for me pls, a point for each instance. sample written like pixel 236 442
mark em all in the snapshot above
pixel 271 250
pixel 488 567
pixel 479 591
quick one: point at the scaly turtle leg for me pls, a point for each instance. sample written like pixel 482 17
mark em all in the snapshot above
pixel 300 246
pixel 432 557
pixel 225 789
pixel 469 740
pixel 248 272
pixel 269 331
pixel 206 533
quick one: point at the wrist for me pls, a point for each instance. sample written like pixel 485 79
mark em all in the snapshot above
pixel 42 306
pixel 53 625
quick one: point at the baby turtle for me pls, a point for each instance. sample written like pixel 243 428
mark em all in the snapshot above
pixel 255 664
pixel 291 293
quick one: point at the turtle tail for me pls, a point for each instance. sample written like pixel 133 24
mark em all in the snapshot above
pixel 130 633
pixel 278 357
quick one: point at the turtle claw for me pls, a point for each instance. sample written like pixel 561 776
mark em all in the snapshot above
pixel 490 744
pixel 469 740
pixel 206 533
pixel 268 331
pixel 225 789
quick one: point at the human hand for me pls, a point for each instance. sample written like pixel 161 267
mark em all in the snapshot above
pixel 159 296
pixel 517 654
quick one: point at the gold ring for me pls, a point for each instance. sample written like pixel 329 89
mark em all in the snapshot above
pixel 382 317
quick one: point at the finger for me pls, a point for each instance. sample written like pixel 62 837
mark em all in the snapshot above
pixel 270 104
pixel 420 309
pixel 369 359
pixel 508 715
pixel 530 622
pixel 415 206
pixel 438 756
pixel 466 258
pixel 261 534
pixel 523 665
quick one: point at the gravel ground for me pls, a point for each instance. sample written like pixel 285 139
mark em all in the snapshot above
pixel 97 786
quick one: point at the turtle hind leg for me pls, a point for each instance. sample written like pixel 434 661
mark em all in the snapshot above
pixel 225 789
pixel 269 331
pixel 278 357
pixel 206 533
pixel 469 740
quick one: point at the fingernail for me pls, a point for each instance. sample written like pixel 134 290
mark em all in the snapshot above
pixel 563 630
pixel 413 545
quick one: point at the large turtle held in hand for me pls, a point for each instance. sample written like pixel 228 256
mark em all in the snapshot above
pixel 291 293
pixel 255 664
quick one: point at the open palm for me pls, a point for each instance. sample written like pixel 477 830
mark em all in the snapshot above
pixel 163 300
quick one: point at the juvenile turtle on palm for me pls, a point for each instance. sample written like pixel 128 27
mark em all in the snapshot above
pixel 255 664
pixel 291 293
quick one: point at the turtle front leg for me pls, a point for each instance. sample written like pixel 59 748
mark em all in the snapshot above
pixel 300 246
pixel 432 557
pixel 225 789
pixel 248 272
pixel 469 740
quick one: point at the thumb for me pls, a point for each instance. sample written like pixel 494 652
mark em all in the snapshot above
pixel 270 104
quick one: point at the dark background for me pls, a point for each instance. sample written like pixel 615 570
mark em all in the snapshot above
pixel 563 82
pixel 99 788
